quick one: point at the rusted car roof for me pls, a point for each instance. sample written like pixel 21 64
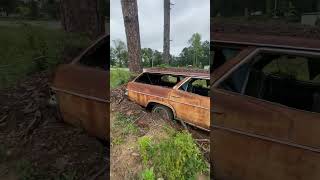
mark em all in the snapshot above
pixel 267 41
pixel 180 71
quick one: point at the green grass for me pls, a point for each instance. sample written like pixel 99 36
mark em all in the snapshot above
pixel 21 45
pixel 119 76
pixel 148 174
pixel 175 157
pixel 125 126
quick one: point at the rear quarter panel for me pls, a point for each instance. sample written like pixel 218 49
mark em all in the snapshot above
pixel 145 93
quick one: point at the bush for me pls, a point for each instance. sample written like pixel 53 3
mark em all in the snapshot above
pixel 119 77
pixel 176 157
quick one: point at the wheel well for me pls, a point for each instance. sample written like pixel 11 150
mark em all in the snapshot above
pixel 152 104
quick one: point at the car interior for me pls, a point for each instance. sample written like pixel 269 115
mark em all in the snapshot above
pixel 158 79
pixel 97 57
pixel 293 81
pixel 197 86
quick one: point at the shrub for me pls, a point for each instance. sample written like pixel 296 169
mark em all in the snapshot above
pixel 119 77
pixel 176 157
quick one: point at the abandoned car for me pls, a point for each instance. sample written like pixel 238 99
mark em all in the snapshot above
pixel 174 95
pixel 81 90
pixel 265 107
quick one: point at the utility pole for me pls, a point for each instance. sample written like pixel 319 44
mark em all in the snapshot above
pixel 166 33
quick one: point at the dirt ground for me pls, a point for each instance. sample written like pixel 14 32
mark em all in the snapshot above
pixel 36 144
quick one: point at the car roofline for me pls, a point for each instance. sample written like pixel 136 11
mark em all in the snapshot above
pixel 243 43
pixel 187 74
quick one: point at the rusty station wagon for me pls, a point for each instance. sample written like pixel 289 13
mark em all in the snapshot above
pixel 265 107
pixel 174 95
pixel 81 90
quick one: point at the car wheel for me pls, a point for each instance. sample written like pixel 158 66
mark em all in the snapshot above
pixel 163 111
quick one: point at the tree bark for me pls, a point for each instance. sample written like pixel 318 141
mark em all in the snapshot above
pixel 166 33
pixel 131 23
pixel 82 16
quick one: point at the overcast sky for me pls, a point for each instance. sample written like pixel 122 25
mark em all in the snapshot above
pixel 187 17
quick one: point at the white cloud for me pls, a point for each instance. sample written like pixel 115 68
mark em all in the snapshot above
pixel 187 17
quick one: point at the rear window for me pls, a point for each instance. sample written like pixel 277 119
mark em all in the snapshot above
pixel 164 80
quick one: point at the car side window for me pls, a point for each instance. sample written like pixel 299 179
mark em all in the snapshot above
pixel 97 56
pixel 287 79
pixel 197 86
pixel 158 79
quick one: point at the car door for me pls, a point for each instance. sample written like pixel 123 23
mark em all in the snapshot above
pixel 256 138
pixel 82 90
pixel 191 107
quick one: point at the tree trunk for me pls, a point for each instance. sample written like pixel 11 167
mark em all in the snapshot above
pixel 131 23
pixel 268 7
pixel 82 16
pixel 166 33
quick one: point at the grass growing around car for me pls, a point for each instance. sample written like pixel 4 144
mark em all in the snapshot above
pixel 153 151
pixel 125 126
pixel 174 157
pixel 25 49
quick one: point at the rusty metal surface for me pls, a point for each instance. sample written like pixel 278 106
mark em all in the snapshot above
pixel 91 115
pixel 180 71
pixel 256 139
pixel 218 73
pixel 82 80
pixel 267 41
pixel 191 108
pixel 83 97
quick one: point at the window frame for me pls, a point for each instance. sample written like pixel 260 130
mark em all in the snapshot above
pixel 188 80
pixel 77 60
pixel 141 74
pixel 249 58
pixel 240 48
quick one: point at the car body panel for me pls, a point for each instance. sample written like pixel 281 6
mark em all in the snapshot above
pixel 256 139
pixel 188 107
pixel 83 96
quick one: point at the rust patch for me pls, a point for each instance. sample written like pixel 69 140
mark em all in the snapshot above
pixel 83 97
pixel 257 139
pixel 189 107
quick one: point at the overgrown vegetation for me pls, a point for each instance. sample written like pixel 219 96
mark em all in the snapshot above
pixel 26 49
pixel 175 157
pixel 119 76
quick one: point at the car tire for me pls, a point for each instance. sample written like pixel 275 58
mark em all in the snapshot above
pixel 164 112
